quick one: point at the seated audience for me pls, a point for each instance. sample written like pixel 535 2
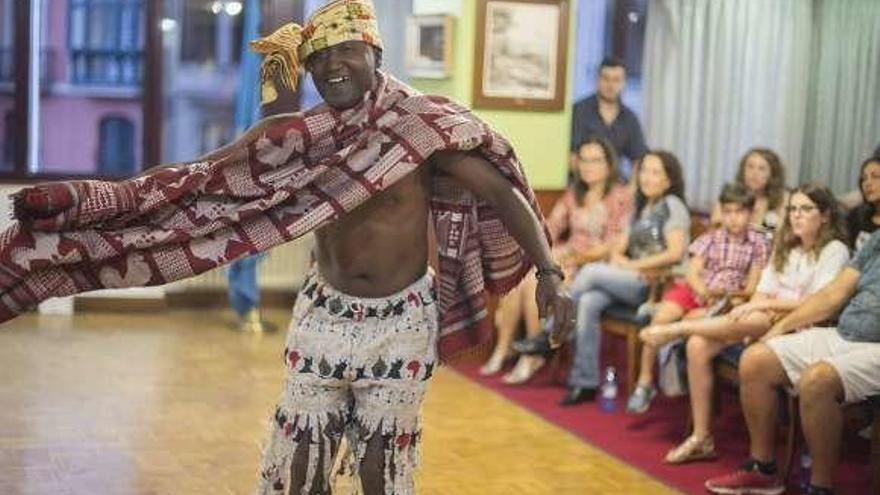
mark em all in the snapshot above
pixel 827 367
pixel 589 216
pixel 864 219
pixel 655 240
pixel 723 262
pixel 809 252
pixel 761 171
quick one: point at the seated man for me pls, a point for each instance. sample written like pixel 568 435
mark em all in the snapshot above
pixel 828 367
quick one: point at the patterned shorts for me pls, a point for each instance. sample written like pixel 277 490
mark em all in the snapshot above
pixel 356 367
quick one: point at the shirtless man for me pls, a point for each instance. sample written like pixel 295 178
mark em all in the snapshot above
pixel 377 255
pixel 363 172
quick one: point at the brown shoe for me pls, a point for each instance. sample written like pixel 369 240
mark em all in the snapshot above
pixel 692 449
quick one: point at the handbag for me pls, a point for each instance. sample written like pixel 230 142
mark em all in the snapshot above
pixel 672 378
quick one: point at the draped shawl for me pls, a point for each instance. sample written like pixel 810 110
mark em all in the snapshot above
pixel 296 173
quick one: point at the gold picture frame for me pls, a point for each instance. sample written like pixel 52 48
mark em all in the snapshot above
pixel 521 54
pixel 429 46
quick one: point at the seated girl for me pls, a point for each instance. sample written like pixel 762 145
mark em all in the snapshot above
pixel 723 262
pixel 655 240
pixel 808 252
pixel 864 219
pixel 762 173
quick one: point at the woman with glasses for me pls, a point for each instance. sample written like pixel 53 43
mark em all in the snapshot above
pixel 808 253
pixel 593 212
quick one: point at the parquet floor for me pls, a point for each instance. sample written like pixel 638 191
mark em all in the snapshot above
pixel 177 403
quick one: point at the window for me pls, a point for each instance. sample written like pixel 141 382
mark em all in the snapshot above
pixel 7 33
pixel 8 142
pixel 627 22
pixel 106 40
pixel 116 155
pixel 212 31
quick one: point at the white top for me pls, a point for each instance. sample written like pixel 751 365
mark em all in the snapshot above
pixel 804 274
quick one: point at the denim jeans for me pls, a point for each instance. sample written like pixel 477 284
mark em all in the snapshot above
pixel 244 290
pixel 597 286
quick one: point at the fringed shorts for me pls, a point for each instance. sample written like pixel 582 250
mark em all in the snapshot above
pixel 356 367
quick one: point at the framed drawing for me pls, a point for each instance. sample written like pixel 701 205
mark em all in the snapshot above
pixel 521 54
pixel 429 46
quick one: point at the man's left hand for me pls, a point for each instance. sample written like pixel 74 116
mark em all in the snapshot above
pixel 553 301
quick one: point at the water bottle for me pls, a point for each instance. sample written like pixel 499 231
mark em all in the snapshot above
pixel 806 464
pixel 608 390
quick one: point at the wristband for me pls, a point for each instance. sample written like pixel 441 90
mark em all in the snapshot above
pixel 550 270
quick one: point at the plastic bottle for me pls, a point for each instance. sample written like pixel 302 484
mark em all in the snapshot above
pixel 806 464
pixel 608 390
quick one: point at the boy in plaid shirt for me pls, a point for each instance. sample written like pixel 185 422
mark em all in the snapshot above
pixel 725 266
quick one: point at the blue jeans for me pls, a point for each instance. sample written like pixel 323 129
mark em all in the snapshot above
pixel 597 286
pixel 244 291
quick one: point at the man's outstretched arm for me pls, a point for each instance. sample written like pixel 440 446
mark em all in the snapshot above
pixel 483 179
pixel 235 150
pixel 821 305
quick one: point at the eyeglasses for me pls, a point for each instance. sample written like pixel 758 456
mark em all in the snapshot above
pixel 590 161
pixel 802 208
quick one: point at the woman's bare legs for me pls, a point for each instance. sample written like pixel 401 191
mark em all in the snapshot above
pixel 526 366
pixel 707 338
pixel 507 315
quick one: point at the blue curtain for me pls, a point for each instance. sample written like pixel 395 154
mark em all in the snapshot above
pixel 244 290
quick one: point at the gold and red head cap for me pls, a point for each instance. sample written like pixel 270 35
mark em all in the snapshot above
pixel 287 48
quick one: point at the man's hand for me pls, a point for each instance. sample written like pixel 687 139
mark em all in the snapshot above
pixel 620 260
pixel 775 331
pixel 742 310
pixel 553 301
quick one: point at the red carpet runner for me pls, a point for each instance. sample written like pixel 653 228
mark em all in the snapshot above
pixel 642 441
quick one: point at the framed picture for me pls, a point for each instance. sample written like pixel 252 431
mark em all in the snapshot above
pixel 521 54
pixel 429 46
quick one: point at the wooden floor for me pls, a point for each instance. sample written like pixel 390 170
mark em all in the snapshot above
pixel 177 403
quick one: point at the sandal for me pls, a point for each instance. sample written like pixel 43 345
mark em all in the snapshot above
pixel 494 364
pixel 524 370
pixel 692 449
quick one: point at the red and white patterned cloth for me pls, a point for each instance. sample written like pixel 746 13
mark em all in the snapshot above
pixel 302 172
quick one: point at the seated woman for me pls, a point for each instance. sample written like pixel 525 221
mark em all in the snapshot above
pixel 591 213
pixel 723 262
pixel 655 240
pixel 808 252
pixel 864 219
pixel 761 171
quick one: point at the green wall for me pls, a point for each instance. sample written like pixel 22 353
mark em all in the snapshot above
pixel 540 137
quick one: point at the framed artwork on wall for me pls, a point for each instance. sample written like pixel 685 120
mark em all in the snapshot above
pixel 429 46
pixel 521 54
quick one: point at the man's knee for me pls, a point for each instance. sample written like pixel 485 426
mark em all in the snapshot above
pixel 819 381
pixel 760 364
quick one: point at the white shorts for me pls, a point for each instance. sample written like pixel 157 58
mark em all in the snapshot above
pixel 857 363
pixel 357 367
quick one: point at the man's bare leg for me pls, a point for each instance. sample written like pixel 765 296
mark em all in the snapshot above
pixel 372 466
pixel 821 394
pixel 760 373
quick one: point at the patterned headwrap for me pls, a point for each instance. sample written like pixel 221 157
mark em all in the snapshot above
pixel 287 48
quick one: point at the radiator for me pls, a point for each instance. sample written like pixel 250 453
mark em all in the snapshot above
pixel 283 268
